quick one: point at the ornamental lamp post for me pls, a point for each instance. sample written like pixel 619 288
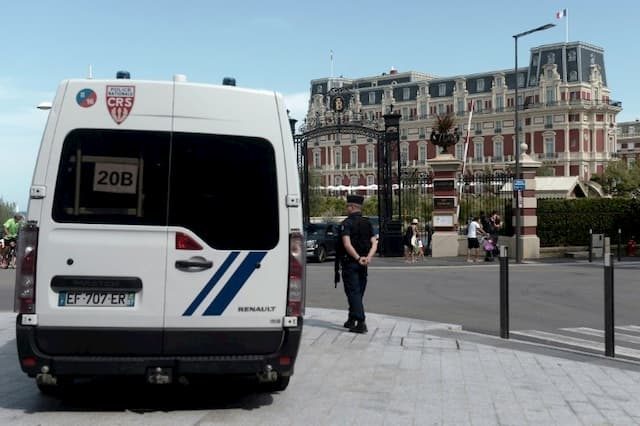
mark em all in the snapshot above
pixel 518 212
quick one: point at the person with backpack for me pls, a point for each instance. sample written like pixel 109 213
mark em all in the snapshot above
pixel 353 255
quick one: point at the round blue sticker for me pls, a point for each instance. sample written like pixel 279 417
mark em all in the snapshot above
pixel 86 98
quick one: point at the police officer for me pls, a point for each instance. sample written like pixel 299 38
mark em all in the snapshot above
pixel 360 244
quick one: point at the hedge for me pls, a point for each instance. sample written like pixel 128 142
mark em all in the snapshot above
pixel 567 222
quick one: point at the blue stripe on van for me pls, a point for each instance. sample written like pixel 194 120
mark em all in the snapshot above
pixel 212 282
pixel 237 280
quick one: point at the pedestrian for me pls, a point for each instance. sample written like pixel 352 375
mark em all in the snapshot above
pixel 488 246
pixel 429 234
pixel 420 250
pixel 410 242
pixel 360 244
pixel 473 244
pixel 12 226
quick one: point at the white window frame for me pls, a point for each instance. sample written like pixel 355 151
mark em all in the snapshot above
pixel 424 111
pixel 337 159
pixel 442 89
pixel 549 147
pixel 317 159
pixel 406 93
pixel 478 151
pixel 404 155
pixel 551 95
pixel 372 97
pixel 441 109
pixel 548 120
pixel 370 157
pixel 337 180
pixel 353 156
pixel 422 153
pixel 371 180
pixel 353 180
pixel 459 150
pixel 480 85
pixel 498 150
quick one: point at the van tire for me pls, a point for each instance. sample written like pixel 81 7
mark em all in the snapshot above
pixel 322 254
pixel 279 385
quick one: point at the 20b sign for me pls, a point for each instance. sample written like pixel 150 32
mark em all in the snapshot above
pixel 114 177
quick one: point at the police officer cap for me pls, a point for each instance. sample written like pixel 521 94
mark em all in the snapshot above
pixel 355 199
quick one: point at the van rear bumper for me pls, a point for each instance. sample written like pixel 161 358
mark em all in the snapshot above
pixel 281 360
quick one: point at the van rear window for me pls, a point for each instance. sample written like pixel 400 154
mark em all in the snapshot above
pixel 113 177
pixel 222 188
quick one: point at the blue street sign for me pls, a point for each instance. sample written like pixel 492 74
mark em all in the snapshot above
pixel 518 184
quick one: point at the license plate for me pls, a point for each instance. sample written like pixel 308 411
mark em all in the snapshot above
pixel 96 298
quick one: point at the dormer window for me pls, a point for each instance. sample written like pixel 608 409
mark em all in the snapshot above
pixel 480 85
pixel 442 89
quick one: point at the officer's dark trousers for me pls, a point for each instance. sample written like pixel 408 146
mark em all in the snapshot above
pixel 354 277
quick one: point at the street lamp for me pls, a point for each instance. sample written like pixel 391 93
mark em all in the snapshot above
pixel 518 212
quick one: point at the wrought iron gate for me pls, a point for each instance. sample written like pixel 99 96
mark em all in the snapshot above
pixel 485 193
pixel 416 196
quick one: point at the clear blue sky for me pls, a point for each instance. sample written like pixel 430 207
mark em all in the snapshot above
pixel 279 45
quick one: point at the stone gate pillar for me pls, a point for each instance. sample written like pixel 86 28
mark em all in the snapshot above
pixel 528 204
pixel 445 202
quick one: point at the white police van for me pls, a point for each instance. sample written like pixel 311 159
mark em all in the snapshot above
pixel 163 236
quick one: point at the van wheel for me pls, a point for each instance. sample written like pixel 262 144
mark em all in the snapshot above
pixel 279 385
pixel 322 254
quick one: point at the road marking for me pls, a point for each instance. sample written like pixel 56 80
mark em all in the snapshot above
pixel 600 333
pixel 573 342
pixel 635 328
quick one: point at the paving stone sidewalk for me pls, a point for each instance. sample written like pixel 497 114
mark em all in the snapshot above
pixel 403 371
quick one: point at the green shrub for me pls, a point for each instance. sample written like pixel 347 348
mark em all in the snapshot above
pixel 567 222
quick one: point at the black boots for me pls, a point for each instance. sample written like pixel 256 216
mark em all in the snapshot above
pixel 359 327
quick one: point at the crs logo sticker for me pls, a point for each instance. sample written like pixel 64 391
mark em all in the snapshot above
pixel 86 98
pixel 120 101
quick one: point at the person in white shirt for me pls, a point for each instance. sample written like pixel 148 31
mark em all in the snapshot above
pixel 473 230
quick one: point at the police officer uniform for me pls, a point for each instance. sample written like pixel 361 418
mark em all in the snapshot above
pixel 354 274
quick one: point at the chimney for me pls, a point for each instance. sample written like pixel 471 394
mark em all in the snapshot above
pixel 393 70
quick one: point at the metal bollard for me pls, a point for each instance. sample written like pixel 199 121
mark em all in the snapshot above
pixel 619 244
pixel 609 343
pixel 504 292
pixel 590 245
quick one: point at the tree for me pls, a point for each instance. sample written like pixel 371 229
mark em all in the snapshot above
pixel 620 180
pixel 545 170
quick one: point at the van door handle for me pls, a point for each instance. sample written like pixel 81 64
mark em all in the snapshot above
pixel 194 264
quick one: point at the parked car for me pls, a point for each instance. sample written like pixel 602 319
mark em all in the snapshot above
pixel 321 240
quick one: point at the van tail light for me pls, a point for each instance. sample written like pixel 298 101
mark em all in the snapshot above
pixel 185 242
pixel 26 256
pixel 297 279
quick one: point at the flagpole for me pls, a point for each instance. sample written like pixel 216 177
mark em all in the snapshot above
pixel 331 63
pixel 566 27
pixel 464 158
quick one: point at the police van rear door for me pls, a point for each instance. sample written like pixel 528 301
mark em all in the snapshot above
pixel 228 231
pixel 102 241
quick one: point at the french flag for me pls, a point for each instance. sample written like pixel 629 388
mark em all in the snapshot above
pixel 561 14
